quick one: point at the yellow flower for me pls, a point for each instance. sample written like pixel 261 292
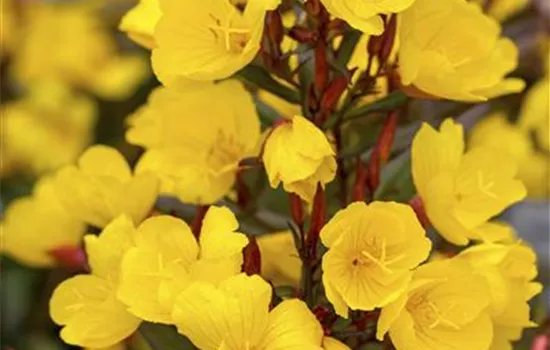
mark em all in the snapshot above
pixel 535 112
pixel 300 156
pixel 101 187
pixel 166 259
pixel 139 23
pixel 462 191
pixel 34 225
pixel 46 129
pixel 372 250
pixel 69 42
pixel 444 308
pixel 440 58
pixel 195 145
pixel 281 263
pixel 207 41
pixel 508 271
pixel 86 305
pixel 236 316
pixel 533 165
pixel 364 15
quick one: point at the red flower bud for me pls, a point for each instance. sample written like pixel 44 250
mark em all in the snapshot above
pixel 322 68
pixel 381 151
pixel 70 257
pixel 388 39
pixel 334 91
pixel 275 29
pixel 252 260
pixel 302 35
pixel 296 210
pixel 418 206
pixel 317 220
pixel 359 187
pixel 375 44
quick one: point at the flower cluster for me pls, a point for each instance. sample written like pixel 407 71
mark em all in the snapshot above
pixel 292 180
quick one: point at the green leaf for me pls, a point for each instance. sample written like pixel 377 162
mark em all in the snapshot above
pixel 260 78
pixel 267 114
pixel 347 47
pixel 388 103
pixel 162 337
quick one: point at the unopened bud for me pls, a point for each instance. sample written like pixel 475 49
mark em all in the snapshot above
pixel 296 210
pixel 388 39
pixel 275 28
pixel 317 220
pixel 302 35
pixel 70 257
pixel 321 67
pixel 418 206
pixel 374 45
pixel 334 91
pixel 381 151
pixel 252 259
pixel 359 187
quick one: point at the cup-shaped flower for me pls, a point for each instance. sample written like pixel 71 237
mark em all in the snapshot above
pixel 46 129
pixel 516 141
pixel 462 191
pixel 101 187
pixel 207 40
pixel 508 271
pixel 364 15
pixel 86 305
pixel 439 58
pixel 166 259
pixel 85 53
pixel 34 225
pixel 193 144
pixel 300 156
pixel 372 250
pixel 236 316
pixel 139 23
pixel 443 308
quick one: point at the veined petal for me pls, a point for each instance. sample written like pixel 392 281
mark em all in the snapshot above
pixel 218 238
pixel 291 325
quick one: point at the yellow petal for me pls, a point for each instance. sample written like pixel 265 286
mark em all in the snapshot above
pixel 104 161
pixel 235 315
pixel 281 263
pixel 292 326
pixel 105 251
pixel 139 23
pixel 436 152
pixel 84 305
pixel 218 238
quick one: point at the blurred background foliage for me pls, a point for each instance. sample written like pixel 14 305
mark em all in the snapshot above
pixel 69 78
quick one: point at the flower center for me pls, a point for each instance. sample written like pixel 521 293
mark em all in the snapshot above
pixel 427 314
pixel 225 153
pixel 374 254
pixel 232 38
